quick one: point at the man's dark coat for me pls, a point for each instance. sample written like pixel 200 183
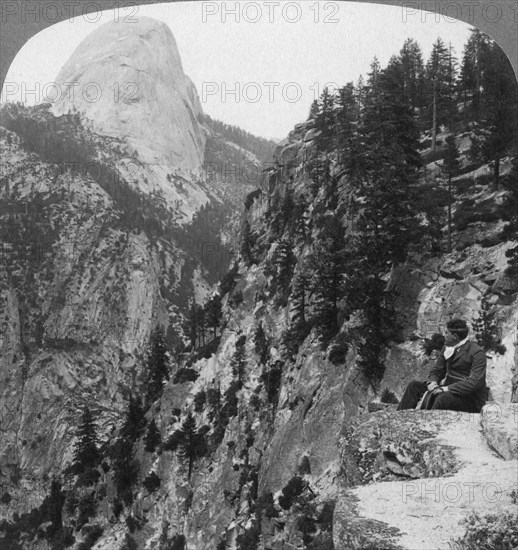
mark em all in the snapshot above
pixel 464 372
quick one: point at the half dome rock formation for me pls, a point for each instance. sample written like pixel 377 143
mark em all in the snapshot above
pixel 128 81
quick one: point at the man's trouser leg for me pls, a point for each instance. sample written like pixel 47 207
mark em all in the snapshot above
pixel 414 391
pixel 447 401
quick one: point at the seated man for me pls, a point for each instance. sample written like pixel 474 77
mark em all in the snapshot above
pixel 458 379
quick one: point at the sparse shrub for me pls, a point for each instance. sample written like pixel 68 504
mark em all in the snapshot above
pixel 117 507
pixel 129 543
pixel 486 329
pixel 178 542
pixel 338 349
pixel 92 534
pixel 304 466
pixel 87 509
pixel 152 482
pixel 88 478
pixel 228 282
pixel 236 299
pixel 491 532
pixel 293 489
pixel 261 344
pixel 255 402
pixel 5 498
pixel 185 375
pixel 266 505
pixel 249 539
pixel 271 379
pixel 199 401
pixel 132 523
pixel 325 517
pixel 153 437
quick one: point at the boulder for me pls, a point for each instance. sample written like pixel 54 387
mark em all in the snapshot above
pixel 411 477
pixel 311 135
pixel 500 424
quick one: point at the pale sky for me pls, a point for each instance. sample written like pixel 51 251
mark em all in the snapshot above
pixel 278 56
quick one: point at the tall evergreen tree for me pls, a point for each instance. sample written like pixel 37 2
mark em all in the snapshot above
pixel 261 344
pixel 200 314
pixel 213 313
pixel 313 112
pixel 499 108
pixel 284 261
pixel 191 444
pixel 238 361
pixel 472 69
pixel 157 366
pixel 412 68
pixel 329 272
pixel 124 467
pixel 246 244
pixel 86 448
pixel 346 116
pixel 153 438
pixel 192 323
pixel 450 168
pixel 300 290
pixel 440 79
pixel 135 420
pixel 54 506
pixel 325 122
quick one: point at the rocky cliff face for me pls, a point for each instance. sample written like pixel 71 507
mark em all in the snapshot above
pixel 128 81
pixel 92 253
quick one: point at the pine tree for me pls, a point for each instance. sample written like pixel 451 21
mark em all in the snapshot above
pixel 192 323
pixel 238 361
pixel 486 329
pixel 213 313
pixel 329 272
pixel 200 315
pixel 472 68
pixel 300 289
pixel 412 66
pixel 500 110
pixel 157 366
pixel 325 122
pixel 450 168
pixel 346 118
pixel 440 78
pixel 261 344
pixel 86 449
pixel 284 261
pixel 313 112
pixel 54 506
pixel 511 216
pixel 125 468
pixel 153 438
pixel 191 444
pixel 246 244
pixel 299 209
pixel 135 420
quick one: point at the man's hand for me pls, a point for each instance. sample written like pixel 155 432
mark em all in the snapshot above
pixel 439 389
pixel 432 385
